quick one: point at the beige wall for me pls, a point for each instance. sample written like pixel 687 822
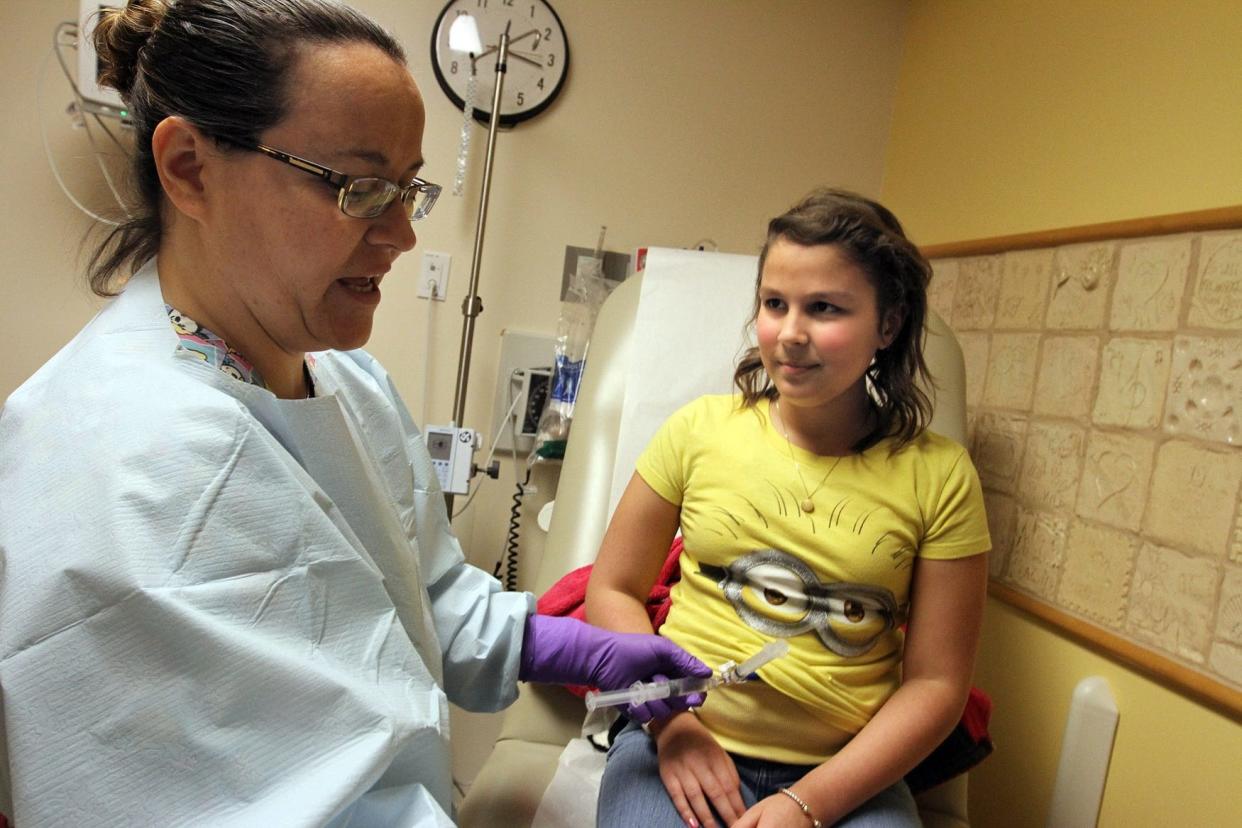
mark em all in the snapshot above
pixel 679 121
pixel 1013 117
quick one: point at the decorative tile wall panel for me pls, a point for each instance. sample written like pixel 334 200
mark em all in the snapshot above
pixel 1205 389
pixel 1096 579
pixel 997 450
pixel 1081 278
pixel 1217 299
pixel 1011 370
pixel 974 299
pixel 1151 280
pixel 1193 496
pixel 1116 478
pixel 1133 377
pixel 1052 466
pixel 942 287
pixel 1038 552
pixel 975 354
pixel 1067 371
pixel 1104 414
pixel 1025 280
pixel 1171 601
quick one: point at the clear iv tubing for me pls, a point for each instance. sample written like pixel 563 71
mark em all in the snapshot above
pixel 729 673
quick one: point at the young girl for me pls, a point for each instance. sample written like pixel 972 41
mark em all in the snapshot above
pixel 817 508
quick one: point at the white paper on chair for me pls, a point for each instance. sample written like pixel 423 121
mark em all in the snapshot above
pixel 569 801
pixel 689 330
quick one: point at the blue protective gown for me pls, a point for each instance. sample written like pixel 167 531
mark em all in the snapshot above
pixel 221 607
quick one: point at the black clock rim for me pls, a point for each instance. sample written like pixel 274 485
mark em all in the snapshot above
pixel 484 116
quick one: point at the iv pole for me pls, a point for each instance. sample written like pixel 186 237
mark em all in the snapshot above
pixel 472 305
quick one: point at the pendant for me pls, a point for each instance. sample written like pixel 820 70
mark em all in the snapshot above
pixel 807 506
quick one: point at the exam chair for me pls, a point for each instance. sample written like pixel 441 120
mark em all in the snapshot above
pixel 536 728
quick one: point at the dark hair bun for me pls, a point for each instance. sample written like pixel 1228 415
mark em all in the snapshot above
pixel 119 38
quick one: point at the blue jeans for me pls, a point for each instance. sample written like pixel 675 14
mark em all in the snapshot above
pixel 632 793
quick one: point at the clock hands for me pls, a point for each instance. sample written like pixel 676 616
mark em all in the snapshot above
pixel 512 40
pixel 522 57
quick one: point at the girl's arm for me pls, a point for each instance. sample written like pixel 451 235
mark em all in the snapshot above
pixel 633 550
pixel 696 771
pixel 945 618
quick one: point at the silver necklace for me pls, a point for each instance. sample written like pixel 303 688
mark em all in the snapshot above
pixel 808 505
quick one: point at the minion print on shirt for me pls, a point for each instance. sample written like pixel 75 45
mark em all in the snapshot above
pixel 778 595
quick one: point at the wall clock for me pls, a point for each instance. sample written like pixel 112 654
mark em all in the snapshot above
pixel 538 57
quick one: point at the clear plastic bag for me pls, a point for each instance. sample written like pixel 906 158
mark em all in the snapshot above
pixel 586 293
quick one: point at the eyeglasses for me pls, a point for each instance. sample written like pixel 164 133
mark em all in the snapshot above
pixel 366 197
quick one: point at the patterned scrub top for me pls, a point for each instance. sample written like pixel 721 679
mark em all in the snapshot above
pixel 212 349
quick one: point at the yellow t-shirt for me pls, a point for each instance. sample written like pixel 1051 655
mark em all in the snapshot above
pixel 834 582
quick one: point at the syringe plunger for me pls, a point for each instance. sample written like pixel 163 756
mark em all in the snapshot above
pixel 729 673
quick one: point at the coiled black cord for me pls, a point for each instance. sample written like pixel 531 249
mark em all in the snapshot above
pixel 510 559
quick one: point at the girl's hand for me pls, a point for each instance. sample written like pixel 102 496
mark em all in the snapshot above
pixel 697 773
pixel 777 811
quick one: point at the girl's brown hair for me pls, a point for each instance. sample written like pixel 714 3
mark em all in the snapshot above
pixel 872 238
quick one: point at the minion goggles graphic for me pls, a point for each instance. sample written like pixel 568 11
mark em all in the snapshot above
pixel 779 595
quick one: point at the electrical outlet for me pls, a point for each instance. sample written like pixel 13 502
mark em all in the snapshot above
pixel 435 273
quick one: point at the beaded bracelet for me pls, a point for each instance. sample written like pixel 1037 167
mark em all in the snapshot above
pixel 806 809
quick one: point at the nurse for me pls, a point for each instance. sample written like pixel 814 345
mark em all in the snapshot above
pixel 229 591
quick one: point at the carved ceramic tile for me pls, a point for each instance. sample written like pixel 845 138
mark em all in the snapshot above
pixel 1038 553
pixel 1133 377
pixel 1226 661
pixel 975 353
pixel 1235 547
pixel 1217 299
pixel 1151 279
pixel 1171 601
pixel 1011 370
pixel 1051 465
pixel 1002 512
pixel 1096 578
pixel 1193 495
pixel 942 287
pixel 1205 389
pixel 1025 278
pixel 1229 609
pixel 974 300
pixel 997 449
pixel 1067 368
pixel 1115 479
pixel 1081 277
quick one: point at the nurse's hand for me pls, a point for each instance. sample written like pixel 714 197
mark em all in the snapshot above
pixel 559 650
pixel 697 773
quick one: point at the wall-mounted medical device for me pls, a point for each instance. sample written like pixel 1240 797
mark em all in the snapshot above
pixel 452 454
pixel 100 100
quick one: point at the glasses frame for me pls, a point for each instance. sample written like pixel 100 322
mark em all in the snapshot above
pixel 343 182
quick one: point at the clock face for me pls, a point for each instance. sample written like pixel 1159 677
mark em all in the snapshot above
pixel 537 65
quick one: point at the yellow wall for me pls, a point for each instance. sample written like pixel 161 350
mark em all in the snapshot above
pixel 1013 117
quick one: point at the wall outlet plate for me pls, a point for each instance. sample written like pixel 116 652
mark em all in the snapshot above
pixel 434 272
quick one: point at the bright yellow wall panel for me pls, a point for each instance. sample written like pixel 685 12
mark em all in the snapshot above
pixel 1013 116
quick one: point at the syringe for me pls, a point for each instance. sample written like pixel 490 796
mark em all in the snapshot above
pixel 728 673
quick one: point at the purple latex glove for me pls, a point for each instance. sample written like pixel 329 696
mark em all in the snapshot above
pixel 558 650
